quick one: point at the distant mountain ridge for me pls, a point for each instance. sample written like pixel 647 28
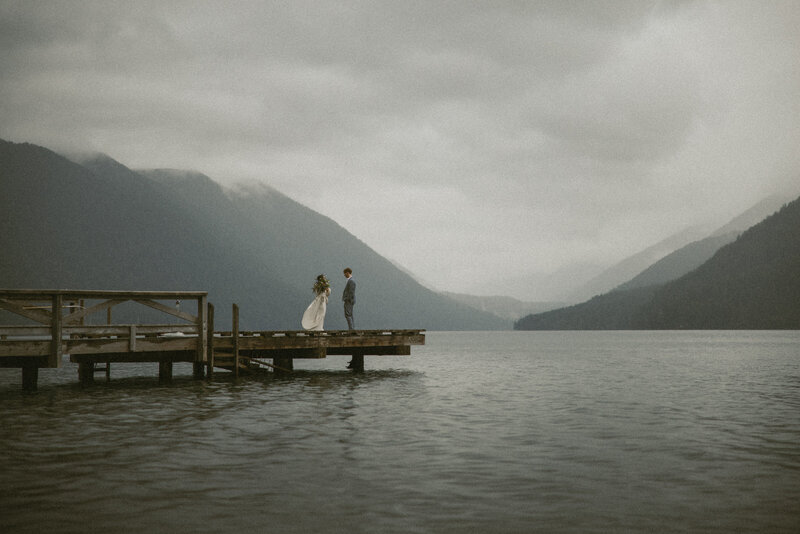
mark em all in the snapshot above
pixel 504 307
pixel 629 267
pixel 677 255
pixel 96 224
pixel 693 255
pixel 680 262
pixel 750 283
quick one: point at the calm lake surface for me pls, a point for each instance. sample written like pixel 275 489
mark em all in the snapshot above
pixel 475 432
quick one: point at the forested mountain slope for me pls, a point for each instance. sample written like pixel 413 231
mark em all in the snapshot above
pixel 751 283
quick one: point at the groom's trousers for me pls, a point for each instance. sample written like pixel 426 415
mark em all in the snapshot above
pixel 348 314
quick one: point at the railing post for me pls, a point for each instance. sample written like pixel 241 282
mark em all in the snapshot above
pixel 235 335
pixel 56 350
pixel 201 358
pixel 132 338
pixel 210 342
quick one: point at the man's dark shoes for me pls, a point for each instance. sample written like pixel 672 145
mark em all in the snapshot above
pixel 350 364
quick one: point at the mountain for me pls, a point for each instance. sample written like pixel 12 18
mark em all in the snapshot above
pixel 677 255
pixel 633 265
pixel 504 307
pixel 754 214
pixel 680 262
pixel 751 283
pixel 96 224
pixel 691 256
pixel 547 286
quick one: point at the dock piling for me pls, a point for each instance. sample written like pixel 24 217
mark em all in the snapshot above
pixel 210 344
pixel 165 371
pixel 30 377
pixel 235 336
pixel 201 321
pixel 86 373
pixel 357 362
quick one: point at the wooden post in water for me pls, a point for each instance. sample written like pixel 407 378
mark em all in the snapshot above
pixel 202 337
pixel 283 365
pixel 357 364
pixel 210 343
pixel 86 373
pixel 165 371
pixel 235 334
pixel 56 350
pixel 30 377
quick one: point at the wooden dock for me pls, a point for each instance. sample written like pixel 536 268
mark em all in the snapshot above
pixel 60 326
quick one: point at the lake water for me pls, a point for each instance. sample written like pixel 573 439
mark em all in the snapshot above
pixel 475 432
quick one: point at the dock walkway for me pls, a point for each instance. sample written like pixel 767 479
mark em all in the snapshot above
pixel 94 347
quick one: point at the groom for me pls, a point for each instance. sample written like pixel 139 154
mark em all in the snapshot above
pixel 349 297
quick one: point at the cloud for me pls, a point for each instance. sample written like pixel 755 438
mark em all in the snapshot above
pixel 454 137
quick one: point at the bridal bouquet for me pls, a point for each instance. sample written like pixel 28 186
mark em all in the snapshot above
pixel 321 284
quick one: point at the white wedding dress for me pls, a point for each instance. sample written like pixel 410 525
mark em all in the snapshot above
pixel 314 316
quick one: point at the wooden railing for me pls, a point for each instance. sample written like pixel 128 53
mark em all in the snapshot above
pixel 59 318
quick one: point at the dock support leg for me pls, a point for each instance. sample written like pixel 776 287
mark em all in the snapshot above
pixel 210 343
pixel 201 359
pixel 199 368
pixel 30 377
pixel 86 373
pixel 235 337
pixel 282 365
pixel 165 372
pixel 357 364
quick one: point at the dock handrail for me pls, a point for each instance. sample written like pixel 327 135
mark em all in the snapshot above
pixel 61 313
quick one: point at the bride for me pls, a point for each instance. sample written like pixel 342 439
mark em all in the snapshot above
pixel 314 315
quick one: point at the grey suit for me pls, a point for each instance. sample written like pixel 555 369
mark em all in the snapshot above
pixel 349 298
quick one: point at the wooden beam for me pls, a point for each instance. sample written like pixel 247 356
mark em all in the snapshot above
pixel 99 330
pixel 168 310
pixel 306 354
pixel 77 316
pixel 77 294
pixel 103 345
pixel 24 330
pixel 25 348
pixel 262 362
pixel 37 315
pixel 303 342
pixel 396 350
pixel 185 356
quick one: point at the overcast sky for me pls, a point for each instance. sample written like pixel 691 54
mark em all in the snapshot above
pixel 472 142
